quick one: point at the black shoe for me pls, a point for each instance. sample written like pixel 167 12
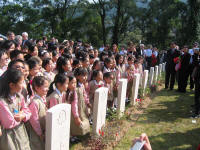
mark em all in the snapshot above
pixel 91 121
pixel 74 140
pixel 166 88
pixel 195 115
pixel 192 105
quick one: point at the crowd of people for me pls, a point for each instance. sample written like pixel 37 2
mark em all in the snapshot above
pixel 36 75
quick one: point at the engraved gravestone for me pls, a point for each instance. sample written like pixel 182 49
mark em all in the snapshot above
pixel 121 96
pixel 99 109
pixel 58 127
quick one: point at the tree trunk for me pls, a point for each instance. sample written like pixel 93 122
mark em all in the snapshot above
pixel 116 25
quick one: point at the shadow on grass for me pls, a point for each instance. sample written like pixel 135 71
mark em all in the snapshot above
pixel 176 141
pixel 169 110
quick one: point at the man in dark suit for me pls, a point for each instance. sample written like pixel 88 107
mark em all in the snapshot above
pixel 170 66
pixel 183 72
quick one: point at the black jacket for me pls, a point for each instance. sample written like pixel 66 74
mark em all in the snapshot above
pixel 170 65
pixel 185 61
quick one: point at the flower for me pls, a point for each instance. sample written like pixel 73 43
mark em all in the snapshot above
pixel 100 131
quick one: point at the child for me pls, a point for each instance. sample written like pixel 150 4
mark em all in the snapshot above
pixel 32 51
pixel 16 54
pixel 95 83
pixel 13 112
pixel 107 65
pixel 47 64
pixel 33 71
pixel 36 128
pixel 63 66
pixel 3 61
pixel 79 119
pixel 54 58
pixel 56 96
pixel 129 75
pixel 108 77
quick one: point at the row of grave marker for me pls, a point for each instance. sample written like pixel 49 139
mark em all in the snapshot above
pixel 58 117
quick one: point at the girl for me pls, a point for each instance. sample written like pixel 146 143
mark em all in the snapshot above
pixel 32 51
pixel 107 65
pixel 8 46
pixel 95 83
pixel 76 64
pixel 108 77
pixel 56 96
pixel 33 71
pixel 47 64
pixel 63 66
pixel 3 61
pixel 13 112
pixel 54 58
pixel 119 61
pixel 79 120
pixel 36 126
pixel 129 74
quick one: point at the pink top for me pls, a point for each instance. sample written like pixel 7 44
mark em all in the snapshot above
pixel 54 100
pixel 74 104
pixel 86 98
pixel 7 117
pixel 34 120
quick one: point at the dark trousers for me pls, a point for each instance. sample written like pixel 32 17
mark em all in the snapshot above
pixel 170 76
pixel 196 96
pixel 190 74
pixel 148 59
pixel 182 80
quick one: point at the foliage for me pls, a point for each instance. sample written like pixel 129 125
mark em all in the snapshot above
pixel 116 21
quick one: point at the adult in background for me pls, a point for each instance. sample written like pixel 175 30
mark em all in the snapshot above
pixel 183 72
pixel 192 53
pixel 172 53
pixel 148 56
pixel 24 38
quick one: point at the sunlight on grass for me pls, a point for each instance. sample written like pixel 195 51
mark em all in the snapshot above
pixel 167 122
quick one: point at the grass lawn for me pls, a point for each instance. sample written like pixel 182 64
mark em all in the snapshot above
pixel 167 123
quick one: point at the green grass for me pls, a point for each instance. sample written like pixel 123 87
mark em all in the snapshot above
pixel 167 123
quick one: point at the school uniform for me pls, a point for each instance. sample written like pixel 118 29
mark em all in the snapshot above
pixel 117 73
pixel 14 134
pixel 110 99
pixel 49 76
pixel 55 98
pixel 93 85
pixel 36 126
pixel 80 111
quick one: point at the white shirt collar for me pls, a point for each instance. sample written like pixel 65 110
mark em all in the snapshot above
pixel 59 93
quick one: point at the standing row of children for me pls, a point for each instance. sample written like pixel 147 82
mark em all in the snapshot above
pixel 36 78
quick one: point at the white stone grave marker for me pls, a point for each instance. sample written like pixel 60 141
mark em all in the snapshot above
pixel 121 96
pixel 136 82
pixel 151 76
pixel 145 80
pixel 99 110
pixel 58 127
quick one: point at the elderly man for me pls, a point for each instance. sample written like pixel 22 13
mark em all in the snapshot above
pixel 24 37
